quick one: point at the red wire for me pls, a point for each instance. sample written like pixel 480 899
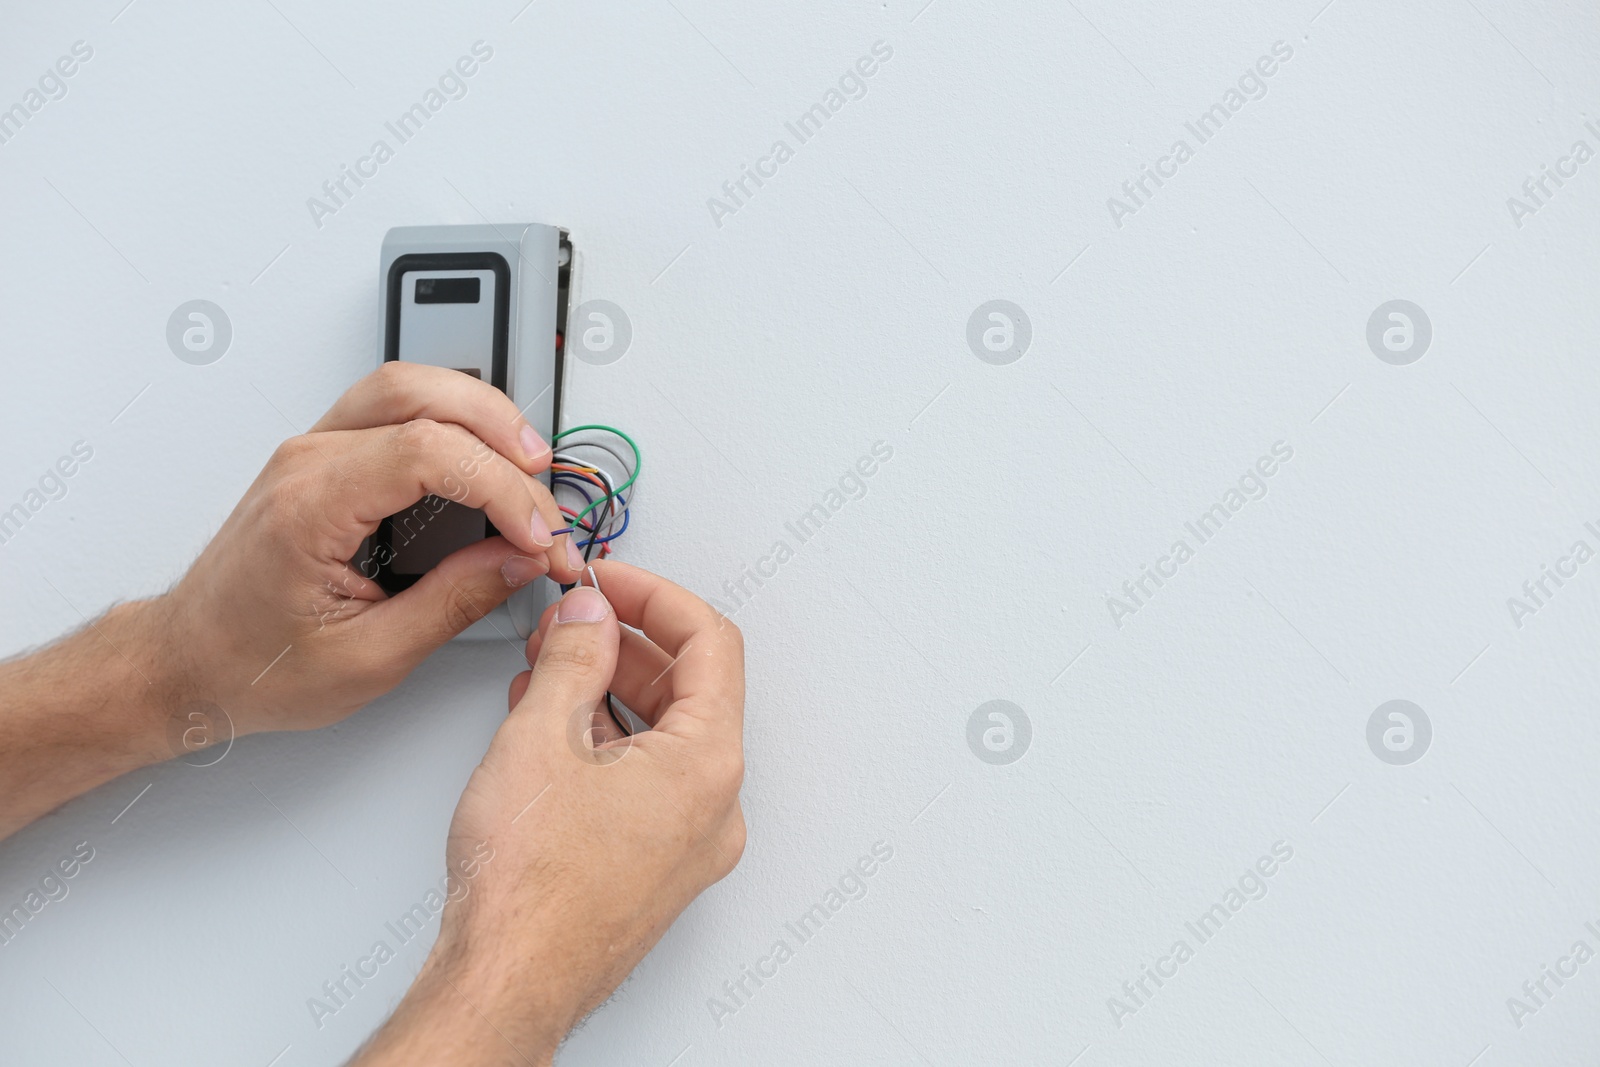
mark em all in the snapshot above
pixel 605 546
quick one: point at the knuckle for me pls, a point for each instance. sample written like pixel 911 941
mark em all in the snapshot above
pixel 284 497
pixel 388 387
pixel 391 377
pixel 567 657
pixel 418 437
pixel 724 631
pixel 459 613
pixel 290 454
pixel 732 635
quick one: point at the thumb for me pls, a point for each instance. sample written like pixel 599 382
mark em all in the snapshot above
pixel 461 589
pixel 576 660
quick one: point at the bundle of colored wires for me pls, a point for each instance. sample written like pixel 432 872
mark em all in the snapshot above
pixel 577 473
pixel 596 473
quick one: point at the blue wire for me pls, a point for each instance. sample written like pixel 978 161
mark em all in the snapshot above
pixel 582 485
pixel 574 482
pixel 626 518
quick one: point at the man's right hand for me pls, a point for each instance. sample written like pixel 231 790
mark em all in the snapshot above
pixel 574 847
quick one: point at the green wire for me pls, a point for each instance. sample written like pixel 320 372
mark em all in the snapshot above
pixel 638 463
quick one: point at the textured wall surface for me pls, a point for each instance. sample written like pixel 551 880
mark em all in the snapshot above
pixel 1162 346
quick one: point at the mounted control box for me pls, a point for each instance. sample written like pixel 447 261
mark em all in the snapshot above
pixel 490 301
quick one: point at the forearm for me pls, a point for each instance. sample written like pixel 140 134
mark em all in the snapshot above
pixel 88 708
pixel 468 1013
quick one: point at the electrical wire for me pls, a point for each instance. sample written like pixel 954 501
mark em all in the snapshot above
pixel 632 471
pixel 594 527
pixel 600 479
pixel 622 462
pixel 611 701
pixel 605 513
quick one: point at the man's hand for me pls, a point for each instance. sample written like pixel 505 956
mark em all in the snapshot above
pixel 272 625
pixel 596 841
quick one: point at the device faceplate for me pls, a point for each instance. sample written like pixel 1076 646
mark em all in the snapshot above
pixel 525 262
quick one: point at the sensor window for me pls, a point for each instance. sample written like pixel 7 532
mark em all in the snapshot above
pixel 447 290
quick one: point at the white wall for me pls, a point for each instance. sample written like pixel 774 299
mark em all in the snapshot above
pixel 830 312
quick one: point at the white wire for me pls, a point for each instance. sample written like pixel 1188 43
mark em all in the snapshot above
pixel 605 525
pixel 610 515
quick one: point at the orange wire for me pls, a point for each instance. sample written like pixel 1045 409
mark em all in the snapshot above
pixel 582 473
pixel 585 472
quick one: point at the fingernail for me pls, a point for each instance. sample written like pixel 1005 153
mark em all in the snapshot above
pixel 574 557
pixel 520 570
pixel 532 444
pixel 583 604
pixel 540 530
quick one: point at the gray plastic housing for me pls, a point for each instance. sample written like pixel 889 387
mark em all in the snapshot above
pixel 532 252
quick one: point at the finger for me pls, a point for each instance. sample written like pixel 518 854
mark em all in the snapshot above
pixel 536 638
pixel 606 723
pixel 464 587
pixel 393 468
pixel 398 392
pixel 349 583
pixel 575 663
pixel 519 686
pixel 643 678
pixel 707 650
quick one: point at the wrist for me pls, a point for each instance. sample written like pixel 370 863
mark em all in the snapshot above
pixel 93 706
pixel 143 683
pixel 466 1008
